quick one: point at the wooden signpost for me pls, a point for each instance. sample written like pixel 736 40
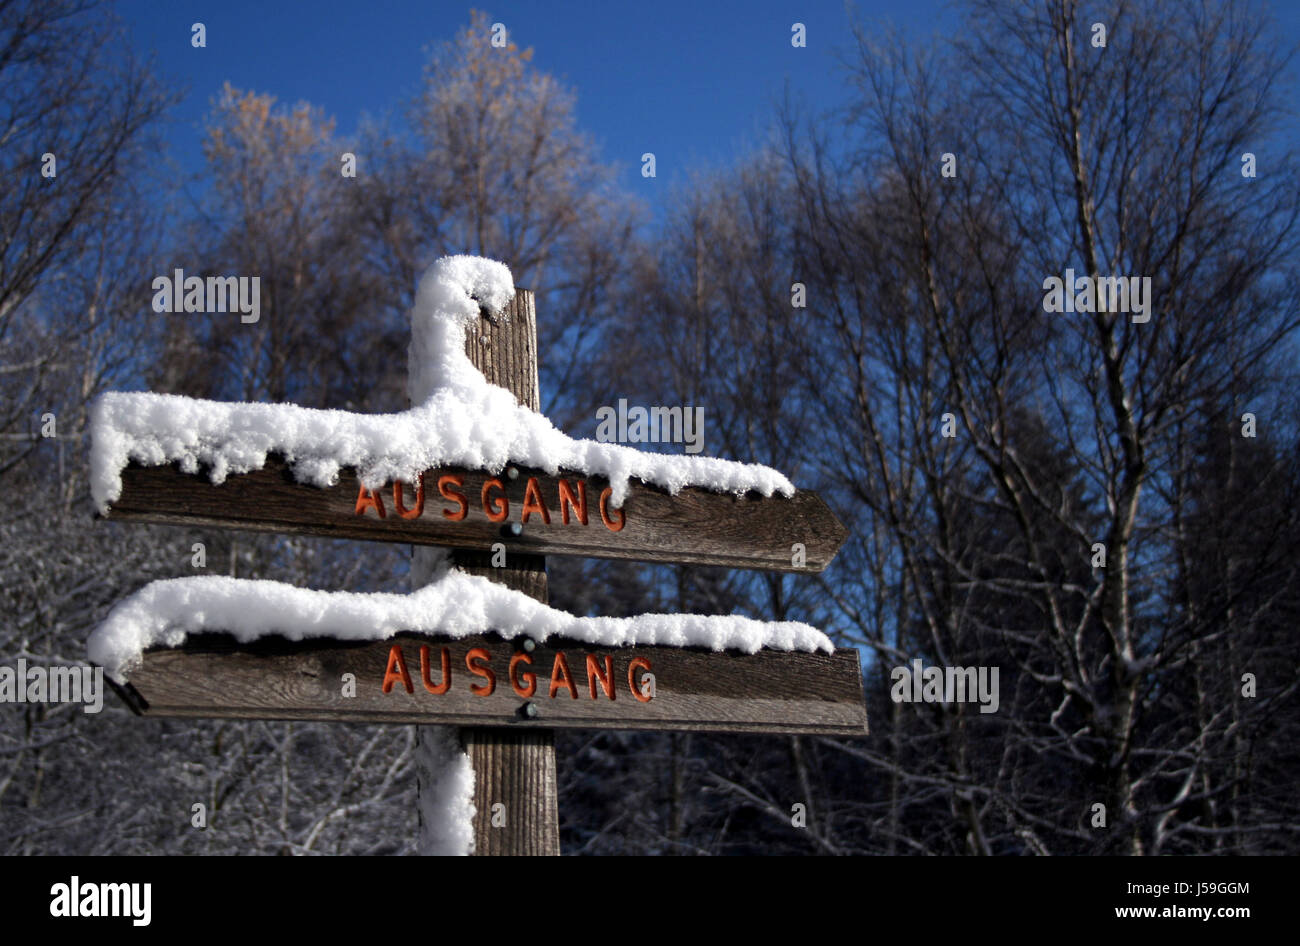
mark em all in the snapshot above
pixel 507 696
pixel 526 510
pixel 487 681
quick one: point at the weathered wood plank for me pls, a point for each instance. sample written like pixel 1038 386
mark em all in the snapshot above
pixel 696 526
pixel 694 689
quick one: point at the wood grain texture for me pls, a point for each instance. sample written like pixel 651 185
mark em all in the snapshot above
pixel 504 349
pixel 695 689
pixel 694 527
pixel 515 769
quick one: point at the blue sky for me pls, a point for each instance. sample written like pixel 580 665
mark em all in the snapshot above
pixel 692 82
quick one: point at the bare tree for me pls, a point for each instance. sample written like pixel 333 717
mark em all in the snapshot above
pixel 495 165
pixel 74 116
pixel 1074 433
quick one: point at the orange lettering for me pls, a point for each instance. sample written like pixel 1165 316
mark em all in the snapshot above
pixel 604 514
pixel 631 678
pixel 444 487
pixel 561 672
pixel 533 502
pixel 419 500
pixel 515 661
pixel 481 689
pixel 606 678
pixel 499 507
pixel 391 676
pixel 368 500
pixel 568 500
pixel 445 685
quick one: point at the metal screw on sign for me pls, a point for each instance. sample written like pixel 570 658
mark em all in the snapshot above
pixel 529 644
pixel 516 529
pixel 530 710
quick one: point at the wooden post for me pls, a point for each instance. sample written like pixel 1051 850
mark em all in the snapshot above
pixel 511 768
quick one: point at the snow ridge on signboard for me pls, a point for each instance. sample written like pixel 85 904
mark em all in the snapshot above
pixel 459 420
pixel 455 604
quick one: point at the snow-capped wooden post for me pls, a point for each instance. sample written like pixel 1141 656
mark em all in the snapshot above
pixel 473 657
pixel 512 768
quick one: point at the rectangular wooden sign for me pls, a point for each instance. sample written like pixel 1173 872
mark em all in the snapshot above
pixel 488 681
pixel 529 512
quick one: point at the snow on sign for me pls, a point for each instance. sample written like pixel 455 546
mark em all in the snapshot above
pixel 466 651
pixel 469 466
pixel 294 653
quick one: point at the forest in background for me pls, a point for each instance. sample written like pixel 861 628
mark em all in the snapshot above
pixel 1121 686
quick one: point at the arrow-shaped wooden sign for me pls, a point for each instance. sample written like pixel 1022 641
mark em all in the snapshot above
pixel 526 510
pixel 485 680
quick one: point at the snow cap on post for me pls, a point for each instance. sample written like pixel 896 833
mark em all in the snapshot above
pixel 446 301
